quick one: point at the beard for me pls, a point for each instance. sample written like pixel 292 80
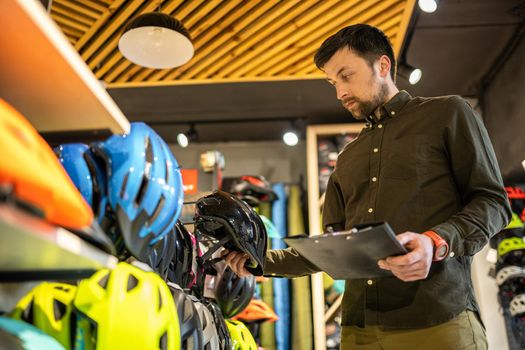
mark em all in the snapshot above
pixel 360 109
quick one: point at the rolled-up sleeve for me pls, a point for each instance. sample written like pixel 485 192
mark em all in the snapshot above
pixel 475 171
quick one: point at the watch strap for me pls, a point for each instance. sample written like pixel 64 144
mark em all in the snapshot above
pixel 441 247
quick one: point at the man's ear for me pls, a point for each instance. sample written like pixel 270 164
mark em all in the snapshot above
pixel 384 66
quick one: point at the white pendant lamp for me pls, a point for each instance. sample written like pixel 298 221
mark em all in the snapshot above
pixel 156 40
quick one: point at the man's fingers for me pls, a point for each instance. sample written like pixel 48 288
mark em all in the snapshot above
pixel 236 261
pixel 409 258
pixel 405 238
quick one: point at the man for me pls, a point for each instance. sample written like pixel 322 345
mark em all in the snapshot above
pixel 427 167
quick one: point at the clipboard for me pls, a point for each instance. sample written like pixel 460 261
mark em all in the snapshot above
pixel 350 254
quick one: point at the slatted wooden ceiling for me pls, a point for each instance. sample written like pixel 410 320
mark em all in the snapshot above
pixel 246 40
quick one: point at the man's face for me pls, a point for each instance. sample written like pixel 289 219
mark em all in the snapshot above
pixel 358 85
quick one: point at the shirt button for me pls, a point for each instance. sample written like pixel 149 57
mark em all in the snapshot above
pixel 379 126
pixel 376 150
pixel 369 282
pixel 370 210
pixel 452 254
pixel 374 179
pixel 393 113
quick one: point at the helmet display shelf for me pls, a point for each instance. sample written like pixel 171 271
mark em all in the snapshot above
pixel 32 249
pixel 42 90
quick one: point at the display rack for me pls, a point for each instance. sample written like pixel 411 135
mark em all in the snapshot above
pixel 32 249
pixel 46 80
pixel 44 77
pixel 314 216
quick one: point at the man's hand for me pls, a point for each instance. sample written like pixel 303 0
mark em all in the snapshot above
pixel 236 261
pixel 415 264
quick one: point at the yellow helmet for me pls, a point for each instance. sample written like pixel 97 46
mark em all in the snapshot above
pixel 242 339
pixel 48 307
pixel 126 308
pixel 515 222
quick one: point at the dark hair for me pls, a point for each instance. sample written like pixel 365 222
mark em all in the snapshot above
pixel 366 41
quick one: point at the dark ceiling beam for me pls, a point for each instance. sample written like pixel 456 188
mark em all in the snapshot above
pixel 499 62
pixel 224 121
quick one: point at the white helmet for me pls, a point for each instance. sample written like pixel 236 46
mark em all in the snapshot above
pixel 210 336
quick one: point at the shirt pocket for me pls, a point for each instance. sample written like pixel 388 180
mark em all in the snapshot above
pixel 402 158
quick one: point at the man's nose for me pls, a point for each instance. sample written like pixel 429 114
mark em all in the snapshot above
pixel 341 93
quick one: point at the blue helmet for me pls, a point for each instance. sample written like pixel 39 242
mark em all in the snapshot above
pixel 144 186
pixel 87 173
pixel 16 334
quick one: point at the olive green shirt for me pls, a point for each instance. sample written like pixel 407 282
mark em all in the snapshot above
pixel 425 164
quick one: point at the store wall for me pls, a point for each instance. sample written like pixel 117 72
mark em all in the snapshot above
pixel 504 115
pixel 272 159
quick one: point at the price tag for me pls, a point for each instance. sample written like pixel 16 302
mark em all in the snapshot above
pixel 492 256
pixel 68 241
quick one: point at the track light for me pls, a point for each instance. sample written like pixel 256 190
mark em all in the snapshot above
pixel 156 40
pixel 413 75
pixel 290 138
pixel 184 139
pixel 291 134
pixel 428 6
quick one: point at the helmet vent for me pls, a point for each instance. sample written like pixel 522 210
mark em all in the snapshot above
pixel 123 188
pixel 103 282
pixel 163 342
pixel 204 320
pixel 187 309
pixel 60 288
pixel 142 189
pixel 160 299
pixel 27 314
pixel 132 282
pixel 97 186
pixel 158 209
pixel 149 150
pixel 59 309
pixel 168 172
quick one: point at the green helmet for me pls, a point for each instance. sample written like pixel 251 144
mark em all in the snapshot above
pixel 49 307
pixel 515 222
pixel 509 244
pixel 126 308
pixel 242 339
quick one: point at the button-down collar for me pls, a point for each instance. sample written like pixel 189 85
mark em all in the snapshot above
pixel 390 109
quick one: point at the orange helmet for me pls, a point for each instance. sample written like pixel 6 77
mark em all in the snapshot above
pixel 30 171
pixel 257 310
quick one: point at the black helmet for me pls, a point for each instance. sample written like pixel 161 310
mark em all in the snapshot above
pixel 233 293
pixel 189 320
pixel 235 224
pixel 162 253
pixel 253 189
pixel 225 342
pixel 180 267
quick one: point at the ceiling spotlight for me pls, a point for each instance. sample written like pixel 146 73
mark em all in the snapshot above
pixel 156 40
pixel 290 138
pixel 427 6
pixel 413 75
pixel 184 139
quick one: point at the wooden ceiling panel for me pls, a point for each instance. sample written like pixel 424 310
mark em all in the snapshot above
pixel 234 40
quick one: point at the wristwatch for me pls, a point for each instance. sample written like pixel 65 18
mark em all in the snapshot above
pixel 440 245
